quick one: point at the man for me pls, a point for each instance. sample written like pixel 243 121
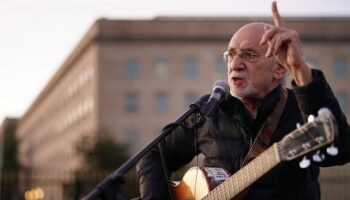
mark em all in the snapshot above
pixel 258 57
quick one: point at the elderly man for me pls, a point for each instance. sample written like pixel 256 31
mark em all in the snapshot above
pixel 258 57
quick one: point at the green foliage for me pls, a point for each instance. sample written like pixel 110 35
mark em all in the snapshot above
pixel 9 186
pixel 103 154
pixel 10 162
pixel 101 157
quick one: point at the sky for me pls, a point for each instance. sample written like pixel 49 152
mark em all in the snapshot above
pixel 36 36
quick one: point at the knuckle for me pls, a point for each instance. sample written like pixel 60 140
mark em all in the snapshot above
pixel 295 33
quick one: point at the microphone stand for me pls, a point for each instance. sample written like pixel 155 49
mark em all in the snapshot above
pixel 116 177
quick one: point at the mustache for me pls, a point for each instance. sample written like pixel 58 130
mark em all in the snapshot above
pixel 237 74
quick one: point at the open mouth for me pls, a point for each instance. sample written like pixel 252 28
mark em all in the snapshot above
pixel 237 78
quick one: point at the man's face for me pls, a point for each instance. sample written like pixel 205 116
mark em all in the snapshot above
pixel 250 73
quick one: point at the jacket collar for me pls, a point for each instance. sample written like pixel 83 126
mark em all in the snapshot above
pixel 234 108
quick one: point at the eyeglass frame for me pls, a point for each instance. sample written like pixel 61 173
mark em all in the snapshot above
pixel 244 55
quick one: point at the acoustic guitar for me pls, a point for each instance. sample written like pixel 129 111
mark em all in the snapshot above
pixel 216 183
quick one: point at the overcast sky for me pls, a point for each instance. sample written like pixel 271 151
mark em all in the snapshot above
pixel 36 36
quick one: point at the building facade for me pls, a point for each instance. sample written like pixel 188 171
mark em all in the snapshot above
pixel 127 79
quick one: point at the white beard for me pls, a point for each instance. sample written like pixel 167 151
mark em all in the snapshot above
pixel 249 91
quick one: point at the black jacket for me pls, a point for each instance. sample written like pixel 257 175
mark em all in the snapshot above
pixel 226 136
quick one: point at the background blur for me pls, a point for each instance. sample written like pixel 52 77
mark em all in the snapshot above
pixel 86 84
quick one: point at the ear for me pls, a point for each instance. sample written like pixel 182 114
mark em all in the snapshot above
pixel 279 72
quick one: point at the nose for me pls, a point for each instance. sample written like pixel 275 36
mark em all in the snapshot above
pixel 236 63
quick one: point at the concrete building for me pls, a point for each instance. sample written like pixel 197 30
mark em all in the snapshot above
pixel 126 79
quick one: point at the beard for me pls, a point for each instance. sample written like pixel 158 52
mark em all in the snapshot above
pixel 249 91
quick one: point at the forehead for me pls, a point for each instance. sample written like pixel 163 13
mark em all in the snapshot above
pixel 248 37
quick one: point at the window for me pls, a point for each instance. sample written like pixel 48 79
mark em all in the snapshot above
pixel 132 69
pixel 161 69
pixel 84 76
pixel 131 137
pixel 161 103
pixel 340 68
pixel 191 66
pixel 190 98
pixel 131 102
pixel 343 100
pixel 220 70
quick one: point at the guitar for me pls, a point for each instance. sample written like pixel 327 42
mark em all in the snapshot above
pixel 216 183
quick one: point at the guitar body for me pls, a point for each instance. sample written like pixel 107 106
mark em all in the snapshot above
pixel 198 182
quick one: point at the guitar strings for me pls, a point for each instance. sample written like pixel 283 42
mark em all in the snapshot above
pixel 197 161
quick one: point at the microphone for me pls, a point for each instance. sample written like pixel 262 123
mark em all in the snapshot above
pixel 220 88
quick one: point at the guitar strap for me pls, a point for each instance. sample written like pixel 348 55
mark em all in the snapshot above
pixel 264 136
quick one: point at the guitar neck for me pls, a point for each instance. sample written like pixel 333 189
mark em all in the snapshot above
pixel 247 175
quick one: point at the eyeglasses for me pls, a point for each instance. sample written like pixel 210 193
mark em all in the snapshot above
pixel 248 56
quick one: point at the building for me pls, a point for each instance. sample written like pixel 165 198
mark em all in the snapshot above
pixel 126 79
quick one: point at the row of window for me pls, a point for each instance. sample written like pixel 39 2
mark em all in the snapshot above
pixel 191 69
pixel 340 67
pixel 51 106
pixel 79 111
pixel 162 68
pixel 62 123
pixel 78 82
pixel 161 102
pixel 49 110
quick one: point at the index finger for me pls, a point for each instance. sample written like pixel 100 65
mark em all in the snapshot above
pixel 276 15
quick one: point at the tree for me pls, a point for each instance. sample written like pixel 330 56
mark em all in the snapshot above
pixel 100 158
pixel 102 154
pixel 10 166
pixel 10 162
